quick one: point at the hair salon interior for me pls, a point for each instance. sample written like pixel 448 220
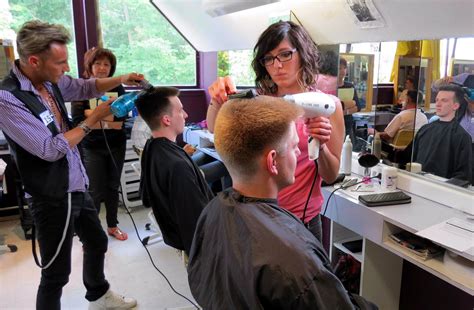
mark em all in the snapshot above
pixel 392 64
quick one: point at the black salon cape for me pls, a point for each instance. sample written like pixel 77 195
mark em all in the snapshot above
pixel 444 149
pixel 175 188
pixel 249 253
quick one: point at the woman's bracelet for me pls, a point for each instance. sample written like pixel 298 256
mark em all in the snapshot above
pixel 214 105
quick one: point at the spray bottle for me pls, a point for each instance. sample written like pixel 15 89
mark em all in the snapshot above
pixel 346 156
pixel 377 148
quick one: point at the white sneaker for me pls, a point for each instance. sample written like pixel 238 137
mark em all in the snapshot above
pixel 111 301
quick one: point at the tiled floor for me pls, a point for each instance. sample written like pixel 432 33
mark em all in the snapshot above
pixel 128 269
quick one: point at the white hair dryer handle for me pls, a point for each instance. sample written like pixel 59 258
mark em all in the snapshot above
pixel 313 148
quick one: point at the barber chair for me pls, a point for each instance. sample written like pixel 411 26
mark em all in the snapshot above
pixel 395 151
pixel 402 139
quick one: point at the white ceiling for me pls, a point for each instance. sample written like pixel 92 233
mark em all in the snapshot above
pixel 328 21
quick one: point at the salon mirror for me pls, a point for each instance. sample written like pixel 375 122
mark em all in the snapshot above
pixel 424 63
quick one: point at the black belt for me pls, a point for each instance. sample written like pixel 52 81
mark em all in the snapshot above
pixel 316 218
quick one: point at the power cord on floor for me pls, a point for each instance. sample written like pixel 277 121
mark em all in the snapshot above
pixel 135 226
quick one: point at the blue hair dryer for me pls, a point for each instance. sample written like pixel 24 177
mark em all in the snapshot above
pixel 125 103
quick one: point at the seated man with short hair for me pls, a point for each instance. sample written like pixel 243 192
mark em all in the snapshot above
pixel 247 252
pixel 443 147
pixel 171 183
pixel 409 118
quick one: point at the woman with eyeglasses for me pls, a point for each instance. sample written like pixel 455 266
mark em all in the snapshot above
pixel 286 62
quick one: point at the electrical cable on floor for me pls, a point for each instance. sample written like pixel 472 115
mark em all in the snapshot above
pixel 135 226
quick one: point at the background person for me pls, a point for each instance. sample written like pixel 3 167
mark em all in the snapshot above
pixel 286 62
pixel 349 105
pixel 410 118
pixel 326 80
pixel 44 144
pixel 410 84
pixel 443 147
pixel 103 167
pixel 466 120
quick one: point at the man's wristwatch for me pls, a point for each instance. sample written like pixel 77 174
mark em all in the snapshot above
pixel 84 127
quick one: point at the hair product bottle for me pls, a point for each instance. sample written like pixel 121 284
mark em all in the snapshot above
pixel 346 156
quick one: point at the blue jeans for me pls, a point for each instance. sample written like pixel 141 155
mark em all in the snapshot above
pixel 49 218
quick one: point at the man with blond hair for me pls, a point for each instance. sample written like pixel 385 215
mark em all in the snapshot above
pixel 43 141
pixel 247 252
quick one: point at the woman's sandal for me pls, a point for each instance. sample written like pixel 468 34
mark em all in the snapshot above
pixel 117 233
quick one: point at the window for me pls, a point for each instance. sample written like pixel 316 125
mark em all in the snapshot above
pixel 14 13
pixel 463 52
pixel 144 41
pixel 237 64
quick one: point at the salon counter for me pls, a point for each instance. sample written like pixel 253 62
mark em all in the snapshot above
pixel 381 258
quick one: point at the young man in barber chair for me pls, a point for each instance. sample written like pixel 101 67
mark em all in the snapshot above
pixel 171 183
pixel 247 252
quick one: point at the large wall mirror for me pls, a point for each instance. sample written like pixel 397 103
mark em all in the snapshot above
pixel 405 86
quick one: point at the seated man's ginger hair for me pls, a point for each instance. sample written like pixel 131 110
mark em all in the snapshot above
pixel 245 128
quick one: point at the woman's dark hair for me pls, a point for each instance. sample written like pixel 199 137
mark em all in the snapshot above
pixel 343 62
pixel 94 54
pixel 300 39
pixel 412 80
pixel 328 63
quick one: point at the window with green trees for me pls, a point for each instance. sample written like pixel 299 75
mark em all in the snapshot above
pixel 13 13
pixel 237 64
pixel 144 41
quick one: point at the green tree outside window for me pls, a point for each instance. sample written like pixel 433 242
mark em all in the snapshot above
pixel 14 13
pixel 144 41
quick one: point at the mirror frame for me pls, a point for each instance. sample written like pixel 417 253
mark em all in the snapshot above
pixel 460 62
pixel 370 79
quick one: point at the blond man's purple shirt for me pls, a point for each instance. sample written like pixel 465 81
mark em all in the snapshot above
pixel 17 122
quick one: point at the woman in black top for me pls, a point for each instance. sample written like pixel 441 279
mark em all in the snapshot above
pixel 103 167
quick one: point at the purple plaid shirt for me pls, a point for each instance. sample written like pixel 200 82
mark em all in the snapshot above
pixel 17 122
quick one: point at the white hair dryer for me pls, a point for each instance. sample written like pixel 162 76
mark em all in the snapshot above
pixel 314 104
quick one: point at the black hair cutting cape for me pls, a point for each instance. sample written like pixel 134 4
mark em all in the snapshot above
pixel 248 253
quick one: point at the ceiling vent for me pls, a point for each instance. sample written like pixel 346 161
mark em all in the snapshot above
pixel 216 8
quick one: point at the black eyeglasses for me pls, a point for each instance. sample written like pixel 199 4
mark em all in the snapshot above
pixel 282 57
